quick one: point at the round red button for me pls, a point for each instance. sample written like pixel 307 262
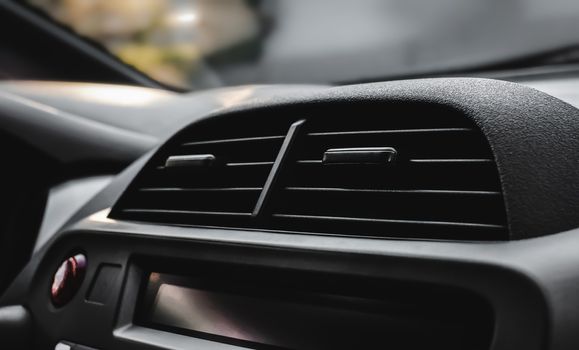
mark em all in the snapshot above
pixel 67 279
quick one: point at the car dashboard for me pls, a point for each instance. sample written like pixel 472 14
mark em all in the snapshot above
pixel 437 213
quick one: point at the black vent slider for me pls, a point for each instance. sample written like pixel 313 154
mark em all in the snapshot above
pixel 361 155
pixel 194 160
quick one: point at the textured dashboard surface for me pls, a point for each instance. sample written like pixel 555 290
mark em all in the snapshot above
pixel 531 134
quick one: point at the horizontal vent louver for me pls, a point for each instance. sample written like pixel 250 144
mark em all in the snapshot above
pixel 443 184
pixel 436 177
pixel 222 192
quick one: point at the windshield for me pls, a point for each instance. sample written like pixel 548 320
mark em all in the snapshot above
pixel 210 43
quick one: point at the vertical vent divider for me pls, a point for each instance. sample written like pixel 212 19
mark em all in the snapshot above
pixel 280 161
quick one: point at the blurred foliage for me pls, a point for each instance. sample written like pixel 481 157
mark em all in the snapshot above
pixel 166 39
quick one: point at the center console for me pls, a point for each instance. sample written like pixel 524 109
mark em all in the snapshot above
pixel 153 292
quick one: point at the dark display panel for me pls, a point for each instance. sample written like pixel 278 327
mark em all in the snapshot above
pixel 307 316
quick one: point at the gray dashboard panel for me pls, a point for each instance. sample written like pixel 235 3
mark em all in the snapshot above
pixel 524 302
pixel 64 200
pixel 150 112
pixel 532 282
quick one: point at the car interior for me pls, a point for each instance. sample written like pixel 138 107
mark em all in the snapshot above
pixel 230 174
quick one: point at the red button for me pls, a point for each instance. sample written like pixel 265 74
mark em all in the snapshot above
pixel 67 279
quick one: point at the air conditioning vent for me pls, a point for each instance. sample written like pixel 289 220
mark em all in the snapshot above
pixel 443 182
pixel 418 171
pixel 210 175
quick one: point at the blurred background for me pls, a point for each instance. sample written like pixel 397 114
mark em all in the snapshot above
pixel 197 44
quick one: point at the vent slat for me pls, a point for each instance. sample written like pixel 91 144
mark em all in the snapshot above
pixel 250 164
pixel 236 153
pixel 187 217
pixel 227 201
pixel 234 176
pixel 389 132
pixel 408 145
pixel 415 191
pixel 188 212
pixel 456 161
pixel 236 140
pixel 393 221
pixel 471 176
pixel 200 189
pixel 404 205
pixel 389 228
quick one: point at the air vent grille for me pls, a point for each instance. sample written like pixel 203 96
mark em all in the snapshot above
pixel 439 180
pixel 222 192
pixel 443 183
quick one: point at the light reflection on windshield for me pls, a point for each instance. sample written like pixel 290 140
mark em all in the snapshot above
pixel 211 43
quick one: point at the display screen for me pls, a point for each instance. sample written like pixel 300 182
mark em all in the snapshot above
pixel 247 316
pixel 260 316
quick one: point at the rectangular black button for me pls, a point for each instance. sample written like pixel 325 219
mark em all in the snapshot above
pixel 194 160
pixel 104 285
pixel 361 155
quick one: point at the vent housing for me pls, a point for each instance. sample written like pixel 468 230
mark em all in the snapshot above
pixel 442 183
pixel 223 193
